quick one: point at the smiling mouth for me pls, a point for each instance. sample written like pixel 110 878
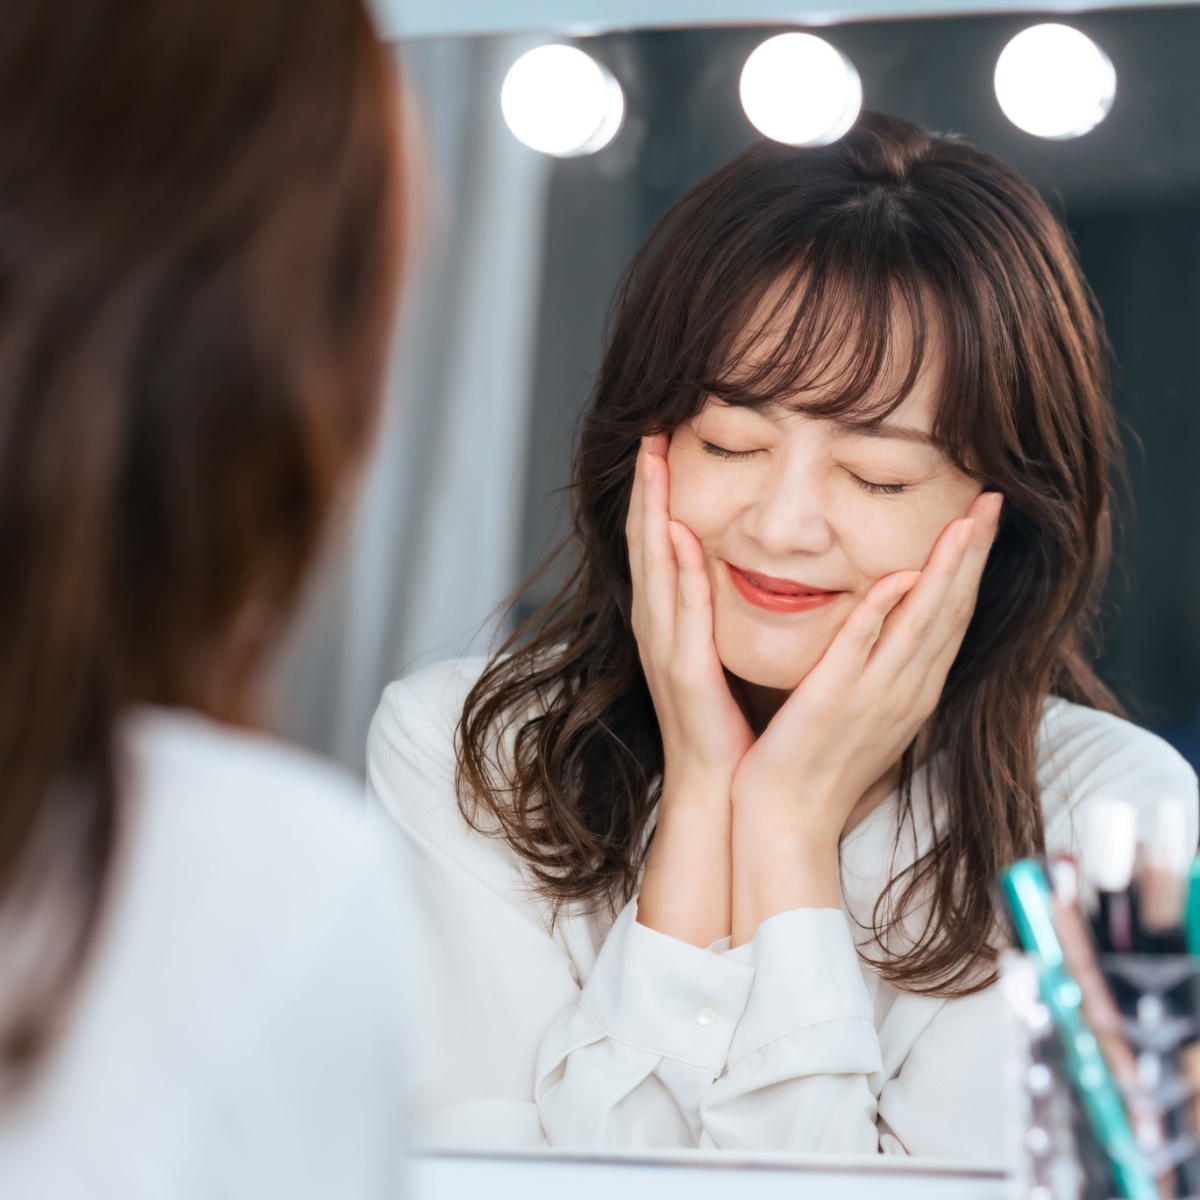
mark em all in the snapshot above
pixel 778 595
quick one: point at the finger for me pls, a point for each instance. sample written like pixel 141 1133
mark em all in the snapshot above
pixel 657 443
pixel 633 544
pixel 660 573
pixel 959 605
pixel 633 516
pixel 915 622
pixel 693 613
pixel 849 651
pixel 964 591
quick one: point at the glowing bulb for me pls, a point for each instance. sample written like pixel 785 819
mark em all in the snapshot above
pixel 1055 82
pixel 798 89
pixel 560 101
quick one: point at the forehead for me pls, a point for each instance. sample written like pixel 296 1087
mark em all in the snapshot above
pixel 822 353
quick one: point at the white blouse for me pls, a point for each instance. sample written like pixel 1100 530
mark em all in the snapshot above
pixel 240 1028
pixel 589 1033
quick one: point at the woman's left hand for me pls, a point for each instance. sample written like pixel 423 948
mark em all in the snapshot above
pixel 857 710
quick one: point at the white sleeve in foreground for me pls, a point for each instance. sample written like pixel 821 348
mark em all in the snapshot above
pixel 630 1064
pixel 805 1069
pixel 311 1099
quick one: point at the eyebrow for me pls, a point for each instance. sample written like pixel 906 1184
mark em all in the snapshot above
pixel 882 430
pixel 886 430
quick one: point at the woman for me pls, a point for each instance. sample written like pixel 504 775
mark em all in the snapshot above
pixel 201 932
pixel 842 516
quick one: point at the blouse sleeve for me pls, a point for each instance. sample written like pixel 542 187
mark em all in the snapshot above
pixel 805 1070
pixel 631 1062
pixel 772 1047
pixel 672 1045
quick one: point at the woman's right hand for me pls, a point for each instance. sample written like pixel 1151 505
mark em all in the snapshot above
pixel 687 884
pixel 704 732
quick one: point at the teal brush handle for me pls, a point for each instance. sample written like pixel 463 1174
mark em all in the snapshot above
pixel 1191 915
pixel 1028 896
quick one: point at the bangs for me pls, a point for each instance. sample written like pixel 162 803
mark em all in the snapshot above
pixel 828 339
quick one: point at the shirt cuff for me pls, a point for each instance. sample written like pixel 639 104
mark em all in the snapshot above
pixel 725 947
pixel 806 972
pixel 665 996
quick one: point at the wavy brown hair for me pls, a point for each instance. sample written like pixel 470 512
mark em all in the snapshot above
pixel 199 238
pixel 888 219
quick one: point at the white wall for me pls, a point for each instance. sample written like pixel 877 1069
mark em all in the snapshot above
pixel 432 544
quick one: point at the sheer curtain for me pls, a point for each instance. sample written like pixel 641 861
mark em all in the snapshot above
pixel 432 545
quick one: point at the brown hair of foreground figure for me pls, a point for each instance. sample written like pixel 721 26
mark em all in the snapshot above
pixel 199 237
pixel 888 220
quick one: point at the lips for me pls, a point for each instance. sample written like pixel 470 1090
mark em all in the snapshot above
pixel 778 595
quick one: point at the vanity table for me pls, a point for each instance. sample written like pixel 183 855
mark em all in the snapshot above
pixel 697 1175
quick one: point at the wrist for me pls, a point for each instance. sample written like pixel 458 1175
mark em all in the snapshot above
pixel 793 842
pixel 696 789
pixel 779 871
pixel 808 822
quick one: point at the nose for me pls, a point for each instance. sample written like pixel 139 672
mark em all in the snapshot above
pixel 787 515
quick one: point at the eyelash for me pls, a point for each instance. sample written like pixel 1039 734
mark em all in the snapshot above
pixel 876 489
pixel 880 489
pixel 721 452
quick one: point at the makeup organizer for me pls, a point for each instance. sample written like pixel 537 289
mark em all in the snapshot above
pixel 1106 994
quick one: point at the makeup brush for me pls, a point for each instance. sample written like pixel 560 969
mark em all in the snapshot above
pixel 1080 956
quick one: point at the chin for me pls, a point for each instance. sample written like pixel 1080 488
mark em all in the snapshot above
pixel 777 663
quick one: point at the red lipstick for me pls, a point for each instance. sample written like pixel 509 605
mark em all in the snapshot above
pixel 778 595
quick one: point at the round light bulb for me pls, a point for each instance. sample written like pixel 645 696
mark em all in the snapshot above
pixel 797 89
pixel 560 101
pixel 1055 82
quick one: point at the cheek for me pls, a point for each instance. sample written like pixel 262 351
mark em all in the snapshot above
pixel 699 496
pixel 881 541
pixel 884 536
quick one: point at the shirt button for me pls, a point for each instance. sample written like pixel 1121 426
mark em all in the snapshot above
pixel 705 1016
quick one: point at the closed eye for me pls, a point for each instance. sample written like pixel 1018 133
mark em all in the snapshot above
pixel 721 452
pixel 879 489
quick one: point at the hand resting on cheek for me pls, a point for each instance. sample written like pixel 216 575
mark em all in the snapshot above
pixel 749 827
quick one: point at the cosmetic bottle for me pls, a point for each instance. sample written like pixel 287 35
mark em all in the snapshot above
pixel 1109 851
pixel 1161 881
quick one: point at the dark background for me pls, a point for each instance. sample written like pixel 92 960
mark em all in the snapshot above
pixel 1129 191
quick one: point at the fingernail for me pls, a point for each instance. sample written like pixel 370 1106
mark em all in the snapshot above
pixel 997 504
pixel 673 530
pixel 965 530
pixel 906 583
pixel 647 466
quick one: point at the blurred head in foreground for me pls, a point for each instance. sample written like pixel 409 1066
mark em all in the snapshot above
pixel 199 232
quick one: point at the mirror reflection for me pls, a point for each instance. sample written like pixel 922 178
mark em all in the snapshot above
pixel 834 630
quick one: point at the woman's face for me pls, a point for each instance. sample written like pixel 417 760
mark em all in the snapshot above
pixel 787 505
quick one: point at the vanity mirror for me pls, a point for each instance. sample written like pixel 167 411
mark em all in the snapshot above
pixel 521 252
